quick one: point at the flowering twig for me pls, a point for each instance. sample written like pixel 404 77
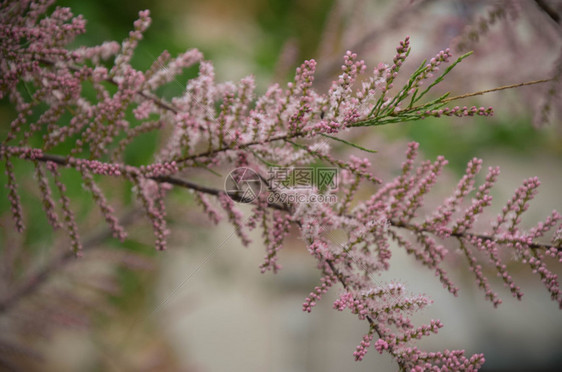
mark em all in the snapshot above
pixel 214 125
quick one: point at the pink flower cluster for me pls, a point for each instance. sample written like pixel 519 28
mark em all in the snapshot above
pixel 273 238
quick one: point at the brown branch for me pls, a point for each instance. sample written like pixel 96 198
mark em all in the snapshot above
pixel 545 7
pixel 467 235
pixel 65 161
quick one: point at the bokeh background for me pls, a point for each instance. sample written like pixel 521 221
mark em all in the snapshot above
pixel 203 304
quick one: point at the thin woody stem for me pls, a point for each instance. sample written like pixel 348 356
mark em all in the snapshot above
pixel 495 90
pixel 372 323
pixel 205 154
